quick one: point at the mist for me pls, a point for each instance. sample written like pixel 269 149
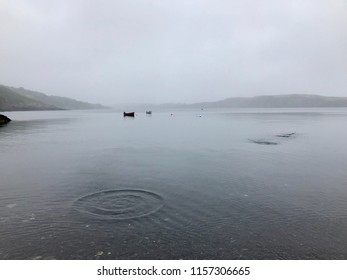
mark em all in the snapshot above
pixel 115 52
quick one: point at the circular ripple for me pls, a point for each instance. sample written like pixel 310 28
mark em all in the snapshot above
pixel 119 204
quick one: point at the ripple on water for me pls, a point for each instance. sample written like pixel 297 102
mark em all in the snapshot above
pixel 119 204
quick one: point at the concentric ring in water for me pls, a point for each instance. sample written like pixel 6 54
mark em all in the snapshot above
pixel 119 204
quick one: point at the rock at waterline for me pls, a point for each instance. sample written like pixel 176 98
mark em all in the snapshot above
pixel 4 119
pixel 262 142
pixel 286 135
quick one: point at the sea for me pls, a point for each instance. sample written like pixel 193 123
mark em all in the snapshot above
pixel 204 184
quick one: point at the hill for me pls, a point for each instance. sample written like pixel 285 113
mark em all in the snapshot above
pixel 57 101
pixel 12 101
pixel 276 101
pixel 264 101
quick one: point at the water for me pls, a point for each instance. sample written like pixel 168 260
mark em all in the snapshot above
pixel 95 185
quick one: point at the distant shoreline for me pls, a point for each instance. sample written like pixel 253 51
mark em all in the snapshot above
pixel 264 101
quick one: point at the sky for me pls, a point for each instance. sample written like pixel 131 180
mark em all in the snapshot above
pixel 185 51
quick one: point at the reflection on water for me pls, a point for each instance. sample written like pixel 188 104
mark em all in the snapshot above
pixel 87 185
pixel 30 126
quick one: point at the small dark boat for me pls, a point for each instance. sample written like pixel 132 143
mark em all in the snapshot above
pixel 129 114
pixel 149 112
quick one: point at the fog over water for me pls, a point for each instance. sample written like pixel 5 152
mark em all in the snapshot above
pixel 173 51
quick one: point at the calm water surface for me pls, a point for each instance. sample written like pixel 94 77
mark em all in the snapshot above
pixel 92 184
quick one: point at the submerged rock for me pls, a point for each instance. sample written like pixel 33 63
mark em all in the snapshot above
pixel 99 253
pixel 4 119
pixel 286 135
pixel 269 140
pixel 263 142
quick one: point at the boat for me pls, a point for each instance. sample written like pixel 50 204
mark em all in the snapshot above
pixel 129 114
pixel 149 112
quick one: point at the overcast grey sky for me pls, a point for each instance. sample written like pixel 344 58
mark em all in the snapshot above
pixel 116 51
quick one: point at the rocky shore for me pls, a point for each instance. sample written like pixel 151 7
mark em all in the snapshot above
pixel 4 119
